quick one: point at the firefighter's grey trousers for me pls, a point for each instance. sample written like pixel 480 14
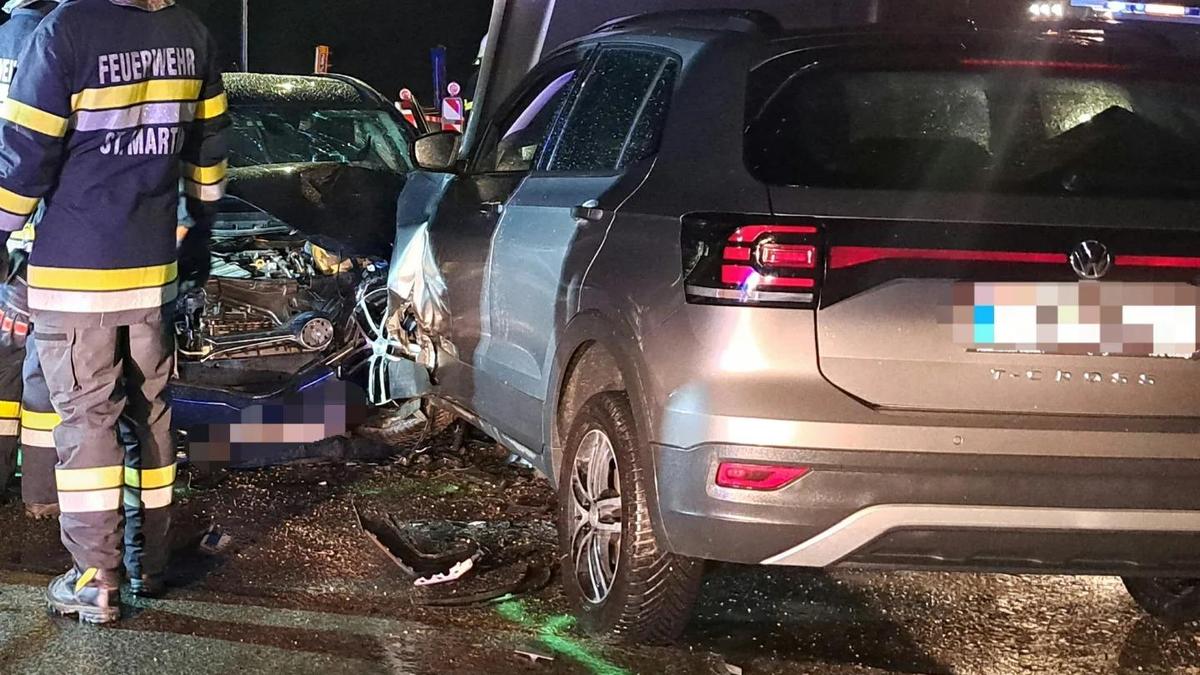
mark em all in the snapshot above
pixel 25 411
pixel 115 451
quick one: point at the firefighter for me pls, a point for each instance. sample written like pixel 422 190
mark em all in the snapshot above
pixel 25 410
pixel 114 102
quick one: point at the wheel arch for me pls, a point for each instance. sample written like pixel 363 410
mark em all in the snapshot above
pixel 595 354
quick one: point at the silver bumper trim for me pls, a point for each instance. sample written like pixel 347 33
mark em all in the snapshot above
pixel 863 527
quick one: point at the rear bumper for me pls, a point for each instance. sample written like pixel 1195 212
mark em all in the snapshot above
pixel 938 510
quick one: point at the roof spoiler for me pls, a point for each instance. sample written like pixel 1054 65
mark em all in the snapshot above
pixel 740 20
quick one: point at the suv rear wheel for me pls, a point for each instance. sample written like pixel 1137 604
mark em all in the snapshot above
pixel 617 577
pixel 1174 600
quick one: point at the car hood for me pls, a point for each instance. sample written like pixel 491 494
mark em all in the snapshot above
pixel 344 208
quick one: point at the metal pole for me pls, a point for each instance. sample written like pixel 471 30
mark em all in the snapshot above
pixel 246 35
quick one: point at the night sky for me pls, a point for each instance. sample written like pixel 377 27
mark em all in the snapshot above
pixel 384 42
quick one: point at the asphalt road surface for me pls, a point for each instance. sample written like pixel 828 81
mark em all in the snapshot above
pixel 300 590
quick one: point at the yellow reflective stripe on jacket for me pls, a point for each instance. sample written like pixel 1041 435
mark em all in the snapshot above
pixel 206 175
pixel 212 107
pixel 18 204
pixel 89 480
pixel 10 410
pixel 72 279
pixel 150 479
pixel 40 420
pixel 125 95
pixel 33 118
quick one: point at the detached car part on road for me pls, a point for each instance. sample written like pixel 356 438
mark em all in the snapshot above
pixel 815 300
pixel 300 247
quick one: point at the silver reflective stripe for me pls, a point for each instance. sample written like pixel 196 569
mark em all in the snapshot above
pixel 91 501
pixel 174 112
pixel 101 301
pixel 9 427
pixel 37 438
pixel 205 193
pixel 11 222
pixel 157 498
pixel 863 527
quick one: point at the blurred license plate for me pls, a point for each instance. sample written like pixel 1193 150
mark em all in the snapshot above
pixel 1083 318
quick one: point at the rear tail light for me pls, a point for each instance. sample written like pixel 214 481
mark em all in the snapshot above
pixel 744 260
pixel 741 476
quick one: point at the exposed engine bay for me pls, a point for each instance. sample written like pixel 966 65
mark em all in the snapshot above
pixel 275 304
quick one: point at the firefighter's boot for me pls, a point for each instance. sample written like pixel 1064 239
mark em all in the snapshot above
pixel 147 586
pixel 92 594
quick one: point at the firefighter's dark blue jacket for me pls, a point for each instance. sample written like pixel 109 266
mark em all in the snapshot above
pixel 110 105
pixel 14 35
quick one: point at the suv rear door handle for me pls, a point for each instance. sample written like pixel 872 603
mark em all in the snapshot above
pixel 589 211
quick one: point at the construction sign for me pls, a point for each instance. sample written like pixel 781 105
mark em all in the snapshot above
pixel 408 107
pixel 454 114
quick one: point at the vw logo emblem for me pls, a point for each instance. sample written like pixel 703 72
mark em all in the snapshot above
pixel 1091 260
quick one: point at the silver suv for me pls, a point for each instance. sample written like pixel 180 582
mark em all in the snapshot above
pixel 849 298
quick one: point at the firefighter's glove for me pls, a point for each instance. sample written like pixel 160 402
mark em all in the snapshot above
pixel 14 315
pixel 195 261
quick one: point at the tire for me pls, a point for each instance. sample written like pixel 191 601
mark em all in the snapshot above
pixel 650 593
pixel 1172 600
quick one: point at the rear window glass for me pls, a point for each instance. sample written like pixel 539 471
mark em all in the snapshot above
pixel 1010 128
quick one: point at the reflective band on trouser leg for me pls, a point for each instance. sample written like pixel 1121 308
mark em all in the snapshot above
pixel 9 427
pixel 10 418
pixel 83 368
pixel 37 450
pixel 38 421
pixel 145 432
pixel 89 490
pixel 10 410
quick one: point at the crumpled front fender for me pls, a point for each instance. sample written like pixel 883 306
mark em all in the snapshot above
pixel 415 282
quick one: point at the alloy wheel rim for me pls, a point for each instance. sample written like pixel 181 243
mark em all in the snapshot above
pixel 382 347
pixel 595 494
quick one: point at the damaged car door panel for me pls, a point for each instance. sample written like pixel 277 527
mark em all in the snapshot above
pixel 529 208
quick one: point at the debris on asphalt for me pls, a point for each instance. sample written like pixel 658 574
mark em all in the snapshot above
pixel 426 560
pixel 535 578
pixel 533 655
pixel 214 542
pixel 454 574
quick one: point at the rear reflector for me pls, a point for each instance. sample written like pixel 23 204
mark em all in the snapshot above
pixel 757 476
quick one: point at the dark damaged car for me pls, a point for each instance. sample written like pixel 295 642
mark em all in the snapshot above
pixel 303 238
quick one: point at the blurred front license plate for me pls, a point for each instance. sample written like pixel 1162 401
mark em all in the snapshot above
pixel 1104 318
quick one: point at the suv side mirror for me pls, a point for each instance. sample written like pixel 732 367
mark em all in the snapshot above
pixel 437 151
